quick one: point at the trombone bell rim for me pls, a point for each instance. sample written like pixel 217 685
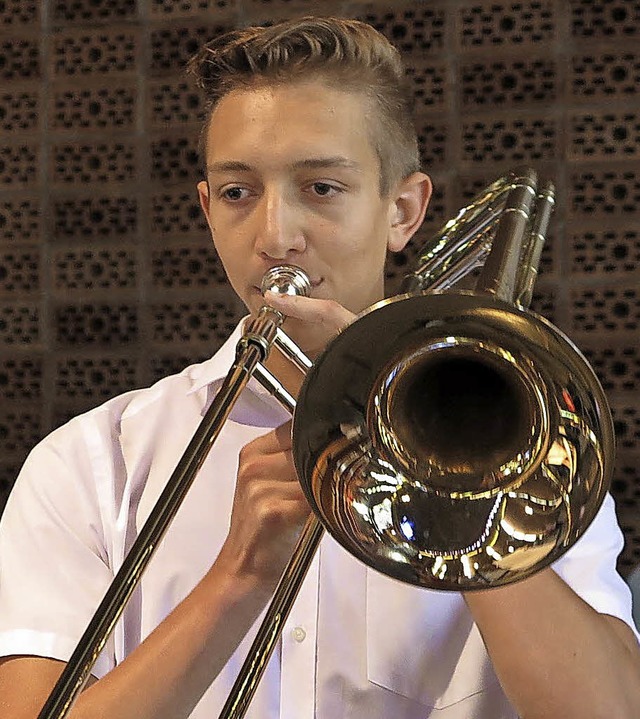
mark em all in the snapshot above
pixel 434 528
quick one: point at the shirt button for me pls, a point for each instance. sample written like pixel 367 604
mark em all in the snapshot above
pixel 298 634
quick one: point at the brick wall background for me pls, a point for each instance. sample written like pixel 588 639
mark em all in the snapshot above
pixel 108 280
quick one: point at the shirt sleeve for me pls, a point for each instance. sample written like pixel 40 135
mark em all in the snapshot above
pixel 54 567
pixel 589 567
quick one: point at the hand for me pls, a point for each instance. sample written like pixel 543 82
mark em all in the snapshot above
pixel 310 322
pixel 269 510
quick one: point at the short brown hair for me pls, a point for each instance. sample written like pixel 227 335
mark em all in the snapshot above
pixel 347 54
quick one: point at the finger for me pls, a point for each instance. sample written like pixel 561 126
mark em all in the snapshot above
pixel 277 440
pixel 289 509
pixel 282 435
pixel 255 467
pixel 278 466
pixel 273 492
pixel 327 313
pixel 267 503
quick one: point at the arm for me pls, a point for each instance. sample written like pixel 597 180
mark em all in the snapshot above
pixel 156 680
pixel 554 654
pixel 168 673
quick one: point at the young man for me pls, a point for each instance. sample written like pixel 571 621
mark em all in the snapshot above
pixel 310 160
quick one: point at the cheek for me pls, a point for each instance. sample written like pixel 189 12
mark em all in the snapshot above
pixel 227 254
pixel 365 248
pixel 231 262
pixel 358 235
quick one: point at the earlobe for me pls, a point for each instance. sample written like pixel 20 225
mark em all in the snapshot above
pixel 408 210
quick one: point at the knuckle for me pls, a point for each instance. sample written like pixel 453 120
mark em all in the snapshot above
pixel 334 309
pixel 336 316
pixel 269 513
pixel 245 453
pixel 256 496
pixel 249 469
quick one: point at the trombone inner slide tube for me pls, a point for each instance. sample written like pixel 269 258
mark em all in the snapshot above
pixel 260 334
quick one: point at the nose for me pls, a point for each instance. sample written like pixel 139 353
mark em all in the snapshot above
pixel 278 230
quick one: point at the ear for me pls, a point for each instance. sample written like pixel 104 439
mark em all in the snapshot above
pixel 408 209
pixel 203 195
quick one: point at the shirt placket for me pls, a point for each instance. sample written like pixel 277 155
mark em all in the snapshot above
pixel 298 658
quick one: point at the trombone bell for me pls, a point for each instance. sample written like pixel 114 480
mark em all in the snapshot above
pixel 453 441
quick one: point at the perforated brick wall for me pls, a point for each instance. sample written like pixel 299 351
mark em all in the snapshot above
pixel 108 279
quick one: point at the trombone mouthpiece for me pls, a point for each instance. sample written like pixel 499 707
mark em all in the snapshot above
pixel 286 280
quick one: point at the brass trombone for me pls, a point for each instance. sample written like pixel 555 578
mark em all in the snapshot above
pixel 467 447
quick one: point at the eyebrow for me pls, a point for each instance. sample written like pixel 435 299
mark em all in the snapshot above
pixel 313 163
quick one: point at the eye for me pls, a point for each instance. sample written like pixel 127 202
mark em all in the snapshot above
pixel 324 189
pixel 235 194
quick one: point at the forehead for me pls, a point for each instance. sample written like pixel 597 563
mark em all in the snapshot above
pixel 290 122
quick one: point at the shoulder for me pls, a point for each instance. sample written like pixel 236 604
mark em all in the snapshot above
pixel 108 417
pixel 90 445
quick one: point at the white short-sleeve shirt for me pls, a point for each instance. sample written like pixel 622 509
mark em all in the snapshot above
pixel 357 645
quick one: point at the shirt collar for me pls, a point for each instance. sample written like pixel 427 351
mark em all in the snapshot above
pixel 212 372
pixel 255 405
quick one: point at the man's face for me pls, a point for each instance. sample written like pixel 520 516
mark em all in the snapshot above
pixel 293 178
